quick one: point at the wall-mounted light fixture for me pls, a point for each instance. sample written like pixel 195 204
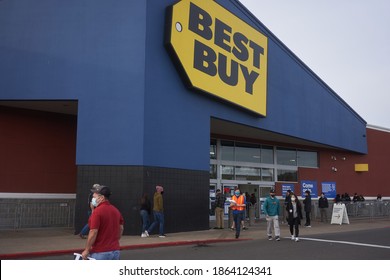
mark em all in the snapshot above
pixel 333 158
pixel 334 169
pixel 343 158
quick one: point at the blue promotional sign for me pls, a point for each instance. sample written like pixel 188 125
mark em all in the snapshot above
pixel 286 187
pixel 310 186
pixel 329 189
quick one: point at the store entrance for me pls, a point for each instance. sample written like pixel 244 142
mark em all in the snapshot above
pixel 255 196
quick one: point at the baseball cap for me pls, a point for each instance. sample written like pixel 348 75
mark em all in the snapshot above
pixel 272 190
pixel 100 189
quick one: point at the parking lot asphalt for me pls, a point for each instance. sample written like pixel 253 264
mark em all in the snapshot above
pixel 26 243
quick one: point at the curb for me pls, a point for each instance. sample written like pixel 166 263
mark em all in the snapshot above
pixel 26 255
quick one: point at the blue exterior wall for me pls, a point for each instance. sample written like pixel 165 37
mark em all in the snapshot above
pixel 91 51
pixel 134 109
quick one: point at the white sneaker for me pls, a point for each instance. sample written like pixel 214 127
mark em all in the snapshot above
pixel 296 239
pixel 143 235
pixel 292 237
pixel 146 233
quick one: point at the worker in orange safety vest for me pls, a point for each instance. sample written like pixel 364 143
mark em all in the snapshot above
pixel 237 205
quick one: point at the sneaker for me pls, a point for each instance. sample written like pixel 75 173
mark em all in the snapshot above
pixel 296 239
pixel 277 238
pixel 269 238
pixel 143 235
pixel 308 226
pixel 162 235
pixel 146 233
pixel 292 237
pixel 237 236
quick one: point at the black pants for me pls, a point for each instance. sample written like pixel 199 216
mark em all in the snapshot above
pixel 307 219
pixel 294 224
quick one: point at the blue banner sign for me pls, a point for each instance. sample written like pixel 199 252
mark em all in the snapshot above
pixel 286 187
pixel 309 186
pixel 329 189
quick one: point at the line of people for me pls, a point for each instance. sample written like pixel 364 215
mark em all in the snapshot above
pixel 105 223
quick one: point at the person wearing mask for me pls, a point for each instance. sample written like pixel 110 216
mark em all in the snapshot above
pixel 145 211
pixel 158 213
pixel 219 209
pixel 238 204
pixel 307 206
pixel 85 230
pixel 294 210
pixel 271 210
pixel 323 205
pixel 106 227
pixel 286 201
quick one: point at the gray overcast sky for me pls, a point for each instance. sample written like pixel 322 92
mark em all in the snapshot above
pixel 345 42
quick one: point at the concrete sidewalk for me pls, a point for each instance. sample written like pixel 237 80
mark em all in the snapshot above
pixel 28 243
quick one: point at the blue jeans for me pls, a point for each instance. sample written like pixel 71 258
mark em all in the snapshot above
pixel 111 255
pixel 85 229
pixel 238 216
pixel 145 219
pixel 158 220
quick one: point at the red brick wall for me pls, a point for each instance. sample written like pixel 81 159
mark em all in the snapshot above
pixel 37 152
pixel 347 180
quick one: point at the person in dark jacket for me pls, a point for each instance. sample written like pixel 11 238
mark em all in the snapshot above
pixel 85 230
pixel 145 211
pixel 294 210
pixel 219 209
pixel 323 205
pixel 307 205
pixel 286 201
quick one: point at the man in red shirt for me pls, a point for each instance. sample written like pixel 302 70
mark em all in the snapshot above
pixel 106 227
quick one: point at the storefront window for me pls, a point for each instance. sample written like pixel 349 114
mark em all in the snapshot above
pixel 256 162
pixel 286 156
pixel 227 150
pixel 213 171
pixel 213 149
pixel 267 174
pixel 287 175
pixel 247 173
pixel 227 172
pixel 247 153
pixel 267 154
pixel 307 159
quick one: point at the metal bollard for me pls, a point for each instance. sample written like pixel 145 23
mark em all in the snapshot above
pixel 251 215
pixel 230 218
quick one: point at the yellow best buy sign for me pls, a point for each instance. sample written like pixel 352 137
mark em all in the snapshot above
pixel 220 53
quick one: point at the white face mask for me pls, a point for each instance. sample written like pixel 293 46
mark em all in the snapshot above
pixel 293 199
pixel 94 202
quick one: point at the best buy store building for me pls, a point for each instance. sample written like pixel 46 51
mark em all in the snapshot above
pixel 194 95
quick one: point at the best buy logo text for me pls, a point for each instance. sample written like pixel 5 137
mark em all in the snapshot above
pixel 220 53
